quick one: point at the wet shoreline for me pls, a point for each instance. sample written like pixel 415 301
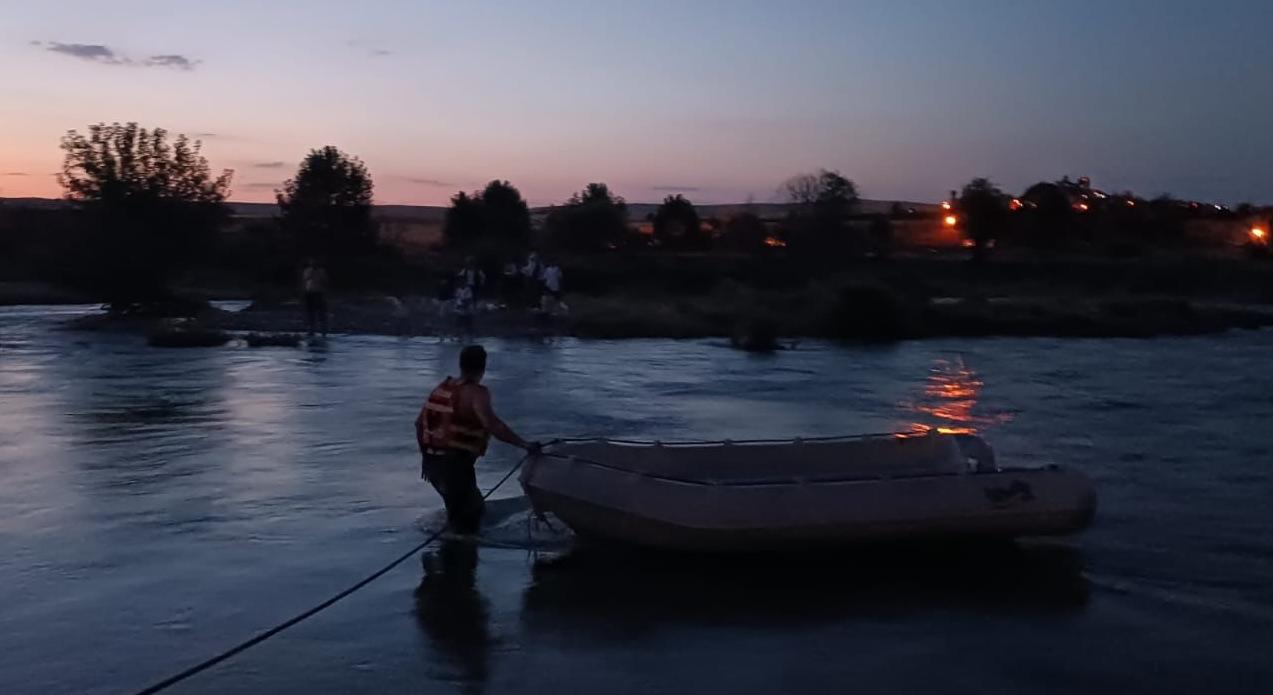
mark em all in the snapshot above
pixel 937 319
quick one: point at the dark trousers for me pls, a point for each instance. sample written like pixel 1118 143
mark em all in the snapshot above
pixel 316 311
pixel 452 474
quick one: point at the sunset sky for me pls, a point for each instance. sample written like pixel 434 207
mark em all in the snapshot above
pixel 720 100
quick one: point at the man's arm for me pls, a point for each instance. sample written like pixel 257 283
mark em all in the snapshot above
pixel 492 423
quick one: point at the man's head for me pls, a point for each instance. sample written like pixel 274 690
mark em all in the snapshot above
pixel 473 362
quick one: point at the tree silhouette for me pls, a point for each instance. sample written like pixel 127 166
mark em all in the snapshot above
pixel 594 219
pixel 1050 211
pixel 985 212
pixel 327 207
pixel 495 215
pixel 744 232
pixel 154 205
pixel 820 206
pixel 677 226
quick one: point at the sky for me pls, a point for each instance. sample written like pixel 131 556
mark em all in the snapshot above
pixel 720 100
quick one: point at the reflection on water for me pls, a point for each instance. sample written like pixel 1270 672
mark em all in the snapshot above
pixel 949 403
pixel 454 614
pixel 617 595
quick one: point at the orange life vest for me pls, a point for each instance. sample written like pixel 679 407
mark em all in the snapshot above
pixel 445 429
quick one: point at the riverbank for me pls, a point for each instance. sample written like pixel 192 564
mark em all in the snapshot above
pixel 748 299
pixel 25 293
pixel 857 314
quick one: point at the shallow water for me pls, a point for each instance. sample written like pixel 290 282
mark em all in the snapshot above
pixel 157 506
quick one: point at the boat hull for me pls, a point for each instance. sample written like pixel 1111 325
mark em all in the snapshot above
pixel 633 507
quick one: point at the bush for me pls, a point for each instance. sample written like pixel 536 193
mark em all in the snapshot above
pixel 870 313
pixel 593 220
pixel 150 207
pixel 495 217
pixel 677 226
pixel 327 210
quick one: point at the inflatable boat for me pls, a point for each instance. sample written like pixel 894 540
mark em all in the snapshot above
pixel 756 496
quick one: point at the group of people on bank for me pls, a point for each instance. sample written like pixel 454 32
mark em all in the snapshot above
pixel 529 284
pixel 532 283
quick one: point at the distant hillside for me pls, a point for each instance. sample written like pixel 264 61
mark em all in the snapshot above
pixel 436 214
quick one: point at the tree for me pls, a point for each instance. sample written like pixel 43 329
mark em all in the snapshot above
pixel 327 207
pixel 880 233
pixel 1050 211
pixel 677 226
pixel 985 213
pixel 463 222
pixel 153 205
pixel 594 219
pixel 820 207
pixel 496 214
pixel 744 232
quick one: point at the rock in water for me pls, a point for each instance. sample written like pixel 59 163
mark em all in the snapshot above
pixel 757 336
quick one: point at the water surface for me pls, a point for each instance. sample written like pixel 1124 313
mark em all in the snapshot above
pixel 158 505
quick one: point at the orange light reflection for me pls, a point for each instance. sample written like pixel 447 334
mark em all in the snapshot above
pixel 949 401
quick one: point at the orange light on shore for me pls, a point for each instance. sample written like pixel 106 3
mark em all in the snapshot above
pixel 1259 234
pixel 950 220
pixel 945 204
pixel 1081 207
pixel 1015 204
pixel 774 242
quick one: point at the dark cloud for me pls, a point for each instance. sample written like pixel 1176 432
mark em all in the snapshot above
pixel 261 184
pixel 370 48
pixel 94 52
pixel 172 60
pixel 438 183
pixel 97 53
pixel 677 189
pixel 16 173
pixel 205 135
pixel 268 165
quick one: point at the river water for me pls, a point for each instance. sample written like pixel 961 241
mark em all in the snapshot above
pixel 157 506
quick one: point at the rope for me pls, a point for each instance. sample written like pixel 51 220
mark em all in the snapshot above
pixel 261 637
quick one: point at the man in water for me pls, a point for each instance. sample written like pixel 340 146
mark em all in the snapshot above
pixel 453 429
pixel 314 288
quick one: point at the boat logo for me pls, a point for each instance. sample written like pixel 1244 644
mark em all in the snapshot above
pixel 1017 491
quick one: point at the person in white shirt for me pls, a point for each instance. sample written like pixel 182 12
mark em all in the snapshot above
pixel 532 268
pixel 552 280
pixel 473 278
pixel 551 299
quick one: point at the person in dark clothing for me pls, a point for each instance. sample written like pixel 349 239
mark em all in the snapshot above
pixel 453 428
pixel 314 289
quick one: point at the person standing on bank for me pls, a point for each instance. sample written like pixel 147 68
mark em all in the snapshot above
pixel 314 288
pixel 453 428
